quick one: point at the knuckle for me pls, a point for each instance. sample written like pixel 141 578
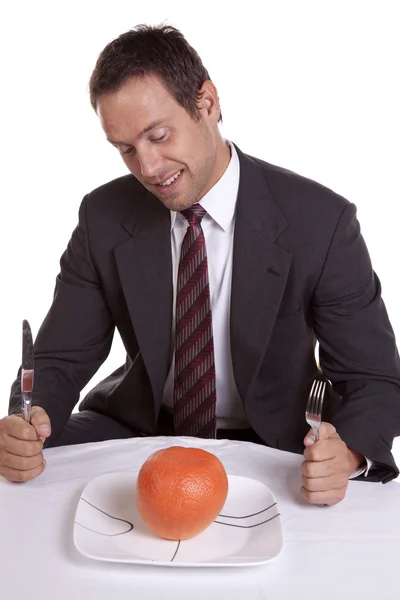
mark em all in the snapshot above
pixel 4 427
pixel 25 476
pixel 31 448
pixel 24 463
pixel 308 469
pixel 308 495
pixel 315 498
pixel 324 428
pixel 315 453
pixel 309 484
pixel 19 476
pixel 328 428
pixel 304 492
pixel 25 433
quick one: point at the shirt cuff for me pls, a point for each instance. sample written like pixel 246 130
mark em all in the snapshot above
pixel 363 469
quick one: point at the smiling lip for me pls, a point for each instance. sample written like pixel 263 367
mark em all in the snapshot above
pixel 167 189
pixel 169 177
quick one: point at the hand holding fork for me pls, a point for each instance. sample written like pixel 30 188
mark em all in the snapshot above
pixel 328 461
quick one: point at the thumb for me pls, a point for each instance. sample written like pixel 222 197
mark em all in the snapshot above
pixel 326 430
pixel 41 422
pixel 309 440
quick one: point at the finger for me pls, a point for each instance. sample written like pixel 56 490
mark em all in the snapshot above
pixel 326 431
pixel 21 447
pixel 310 438
pixel 21 476
pixel 329 498
pixel 41 422
pixel 21 463
pixel 17 427
pixel 326 449
pixel 324 484
pixel 323 468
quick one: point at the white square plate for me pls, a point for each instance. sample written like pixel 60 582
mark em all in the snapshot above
pixel 108 527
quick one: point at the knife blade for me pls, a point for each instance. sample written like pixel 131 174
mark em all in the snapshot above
pixel 27 371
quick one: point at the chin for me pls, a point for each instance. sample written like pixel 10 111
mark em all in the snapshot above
pixel 176 204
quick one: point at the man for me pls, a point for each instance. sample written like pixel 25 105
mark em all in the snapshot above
pixel 219 271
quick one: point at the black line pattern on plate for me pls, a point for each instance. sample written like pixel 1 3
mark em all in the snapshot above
pixel 99 532
pixel 131 526
pixel 247 516
pixel 117 519
pixel 247 526
pixel 177 548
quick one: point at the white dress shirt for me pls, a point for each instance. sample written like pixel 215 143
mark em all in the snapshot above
pixel 218 226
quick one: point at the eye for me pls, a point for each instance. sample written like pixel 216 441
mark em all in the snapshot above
pixel 160 139
pixel 127 152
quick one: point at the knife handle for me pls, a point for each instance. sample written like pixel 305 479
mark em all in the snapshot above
pixel 26 389
pixel 26 406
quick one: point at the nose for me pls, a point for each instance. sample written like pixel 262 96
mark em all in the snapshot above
pixel 149 162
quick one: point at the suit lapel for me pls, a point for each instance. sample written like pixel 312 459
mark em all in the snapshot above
pixel 145 269
pixel 259 273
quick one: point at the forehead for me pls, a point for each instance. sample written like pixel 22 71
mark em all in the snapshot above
pixel 138 102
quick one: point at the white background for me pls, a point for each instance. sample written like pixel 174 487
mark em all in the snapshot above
pixel 311 86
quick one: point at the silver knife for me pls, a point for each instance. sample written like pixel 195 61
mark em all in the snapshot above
pixel 27 370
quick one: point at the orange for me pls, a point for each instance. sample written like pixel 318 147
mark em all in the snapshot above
pixel 180 491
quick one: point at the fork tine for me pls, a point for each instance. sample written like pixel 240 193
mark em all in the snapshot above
pixel 311 397
pixel 321 399
pixel 312 403
pixel 315 398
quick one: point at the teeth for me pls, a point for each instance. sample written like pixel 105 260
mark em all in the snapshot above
pixel 171 179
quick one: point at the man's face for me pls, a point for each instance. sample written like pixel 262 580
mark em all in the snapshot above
pixel 174 156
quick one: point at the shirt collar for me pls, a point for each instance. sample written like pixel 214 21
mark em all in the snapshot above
pixel 220 201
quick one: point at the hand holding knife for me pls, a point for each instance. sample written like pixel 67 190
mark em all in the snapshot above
pixel 23 435
pixel 27 371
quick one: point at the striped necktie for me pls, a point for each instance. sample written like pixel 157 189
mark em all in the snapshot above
pixel 194 384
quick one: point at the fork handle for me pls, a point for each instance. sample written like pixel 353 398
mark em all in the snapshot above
pixel 316 436
pixel 316 433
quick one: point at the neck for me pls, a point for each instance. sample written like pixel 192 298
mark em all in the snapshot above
pixel 223 157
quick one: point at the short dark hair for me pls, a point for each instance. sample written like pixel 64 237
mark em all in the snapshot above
pixel 151 50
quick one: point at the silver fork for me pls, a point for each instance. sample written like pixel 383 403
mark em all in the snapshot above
pixel 314 406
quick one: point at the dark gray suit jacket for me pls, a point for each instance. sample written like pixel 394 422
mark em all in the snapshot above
pixel 301 271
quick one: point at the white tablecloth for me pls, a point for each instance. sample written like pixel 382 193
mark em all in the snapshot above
pixel 349 551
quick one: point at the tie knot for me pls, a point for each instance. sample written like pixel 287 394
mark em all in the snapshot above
pixel 194 214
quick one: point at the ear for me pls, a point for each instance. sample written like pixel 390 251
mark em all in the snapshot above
pixel 209 101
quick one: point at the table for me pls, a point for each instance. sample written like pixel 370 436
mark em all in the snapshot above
pixel 351 550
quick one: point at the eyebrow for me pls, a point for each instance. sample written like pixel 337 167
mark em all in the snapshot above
pixel 149 127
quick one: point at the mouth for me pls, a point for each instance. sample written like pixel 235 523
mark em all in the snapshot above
pixel 170 184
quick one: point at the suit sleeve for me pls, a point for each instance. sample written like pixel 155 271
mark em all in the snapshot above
pixel 357 348
pixel 75 337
